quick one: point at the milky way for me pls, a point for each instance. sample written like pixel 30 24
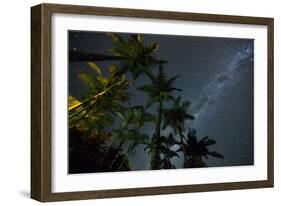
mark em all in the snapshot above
pixel 211 91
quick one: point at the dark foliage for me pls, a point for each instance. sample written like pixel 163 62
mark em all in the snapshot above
pixel 89 154
pixel 197 150
pixel 104 130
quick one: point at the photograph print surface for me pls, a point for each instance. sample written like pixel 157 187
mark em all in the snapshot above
pixel 151 102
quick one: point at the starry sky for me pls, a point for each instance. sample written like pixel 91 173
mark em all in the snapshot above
pixel 216 76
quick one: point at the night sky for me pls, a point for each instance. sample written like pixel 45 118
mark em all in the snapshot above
pixel 216 75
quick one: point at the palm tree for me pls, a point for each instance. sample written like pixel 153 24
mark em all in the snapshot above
pixel 103 102
pixel 113 129
pixel 197 150
pixel 136 57
pixel 95 113
pixel 104 98
pixel 176 117
pixel 159 90
pixel 167 151
pixel 129 134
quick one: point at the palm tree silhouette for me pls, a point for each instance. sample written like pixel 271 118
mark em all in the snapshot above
pixel 105 97
pixel 176 117
pixel 167 151
pixel 197 150
pixel 135 56
pixel 129 133
pixel 104 112
pixel 159 90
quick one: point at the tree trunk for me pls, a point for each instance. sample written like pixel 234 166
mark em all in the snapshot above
pixel 75 56
pixel 126 157
pixel 155 164
pixel 122 146
pixel 183 147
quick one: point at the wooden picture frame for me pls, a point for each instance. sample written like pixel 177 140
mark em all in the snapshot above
pixel 41 116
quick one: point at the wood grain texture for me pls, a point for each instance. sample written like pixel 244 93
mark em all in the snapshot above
pixel 270 102
pixel 41 101
pixel 36 58
pixel 138 13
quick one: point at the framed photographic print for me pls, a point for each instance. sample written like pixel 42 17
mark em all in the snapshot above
pixel 132 102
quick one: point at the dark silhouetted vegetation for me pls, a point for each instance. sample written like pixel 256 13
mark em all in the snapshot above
pixel 105 129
